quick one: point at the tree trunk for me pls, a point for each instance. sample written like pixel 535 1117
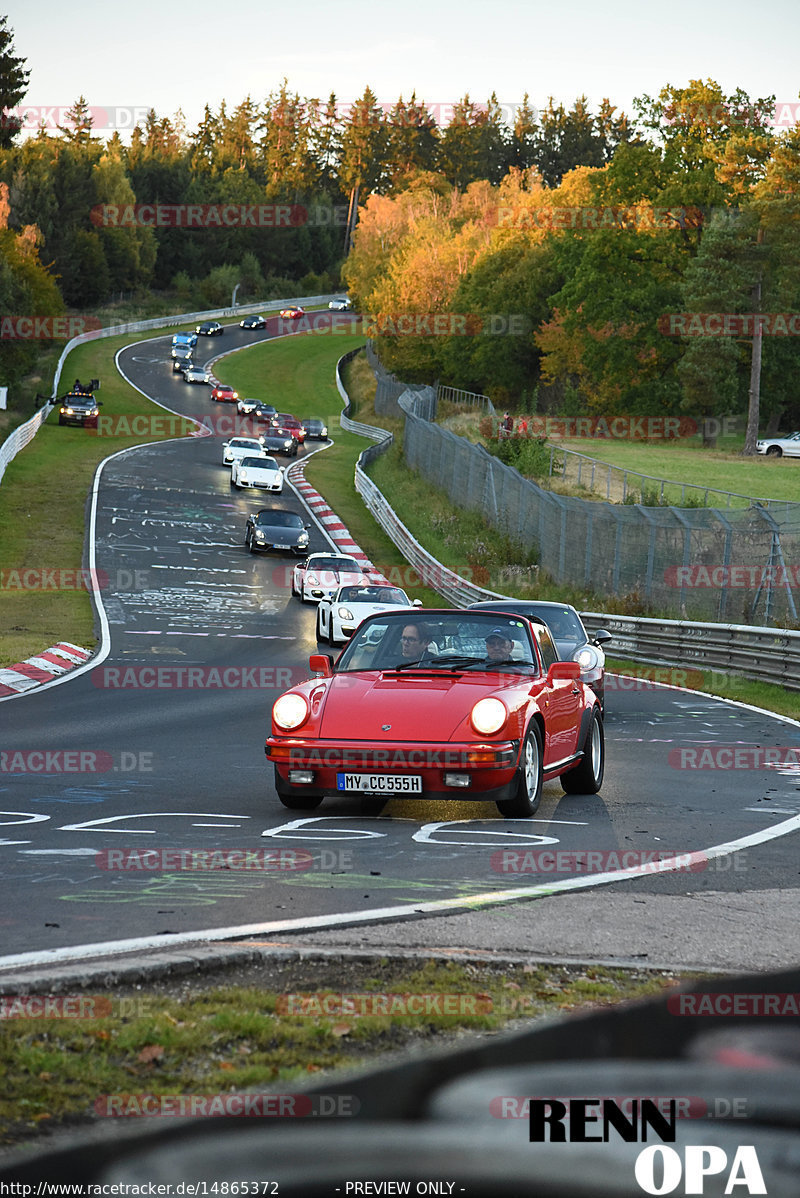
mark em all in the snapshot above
pixel 754 395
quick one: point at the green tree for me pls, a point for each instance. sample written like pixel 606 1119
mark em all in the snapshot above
pixel 13 84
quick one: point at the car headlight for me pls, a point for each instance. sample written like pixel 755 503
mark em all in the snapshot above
pixel 345 614
pixel 323 432
pixel 260 535
pixel 587 657
pixel 290 711
pixel 488 715
pixel 303 538
pixel 311 580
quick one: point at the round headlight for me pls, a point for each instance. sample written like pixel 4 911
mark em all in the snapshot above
pixel 488 715
pixel 290 711
pixel 587 657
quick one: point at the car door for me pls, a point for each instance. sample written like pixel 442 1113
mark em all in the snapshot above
pixel 561 705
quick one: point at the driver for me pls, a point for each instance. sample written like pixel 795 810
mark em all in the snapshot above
pixel 414 640
pixel 498 646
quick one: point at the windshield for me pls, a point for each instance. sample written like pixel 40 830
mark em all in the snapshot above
pixel 440 641
pixel 280 519
pixel 262 463
pixel 372 595
pixel 335 563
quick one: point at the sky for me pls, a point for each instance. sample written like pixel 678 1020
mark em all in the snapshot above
pixel 152 53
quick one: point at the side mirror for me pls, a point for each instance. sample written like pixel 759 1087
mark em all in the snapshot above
pixel 563 671
pixel 98 403
pixel 320 663
pixel 307 527
pixel 416 603
pixel 602 636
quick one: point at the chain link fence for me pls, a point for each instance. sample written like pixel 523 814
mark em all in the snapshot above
pixel 734 565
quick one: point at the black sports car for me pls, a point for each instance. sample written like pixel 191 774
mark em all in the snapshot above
pixel 253 322
pixel 211 328
pixel 275 440
pixel 276 528
pixel 316 430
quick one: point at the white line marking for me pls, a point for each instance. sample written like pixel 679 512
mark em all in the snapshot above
pixel 109 948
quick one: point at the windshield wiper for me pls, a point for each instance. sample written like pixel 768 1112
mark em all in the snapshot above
pixel 433 663
pixel 492 665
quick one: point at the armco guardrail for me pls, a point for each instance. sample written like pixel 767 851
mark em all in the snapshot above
pixel 25 433
pixel 764 654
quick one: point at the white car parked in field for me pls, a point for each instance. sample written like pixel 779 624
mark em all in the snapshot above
pixel 339 616
pixel 261 471
pixel 780 447
pixel 240 447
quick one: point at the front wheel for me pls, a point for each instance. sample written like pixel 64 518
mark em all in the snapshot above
pixel 299 802
pixel 774 451
pixel 587 777
pixel 529 778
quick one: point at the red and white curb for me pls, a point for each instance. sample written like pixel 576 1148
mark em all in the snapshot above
pixel 338 533
pixel 46 666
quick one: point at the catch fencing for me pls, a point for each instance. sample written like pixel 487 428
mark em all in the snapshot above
pixel 733 565
pixel 622 485
pixel 761 653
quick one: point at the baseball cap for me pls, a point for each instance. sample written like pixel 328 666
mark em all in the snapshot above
pixel 501 632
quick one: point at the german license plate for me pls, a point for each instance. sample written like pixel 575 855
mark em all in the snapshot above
pixel 277 546
pixel 381 783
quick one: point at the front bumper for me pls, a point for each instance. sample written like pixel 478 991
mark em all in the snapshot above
pixel 489 767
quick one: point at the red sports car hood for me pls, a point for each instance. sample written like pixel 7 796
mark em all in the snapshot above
pixel 418 707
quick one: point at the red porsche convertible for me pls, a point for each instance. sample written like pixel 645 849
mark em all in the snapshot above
pixel 439 705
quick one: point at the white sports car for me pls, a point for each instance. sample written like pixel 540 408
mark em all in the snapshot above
pixel 321 575
pixel 339 616
pixel 780 447
pixel 261 471
pixel 240 447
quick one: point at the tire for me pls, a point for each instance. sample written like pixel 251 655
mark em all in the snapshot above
pixel 774 451
pixel 299 802
pixel 587 777
pixel 529 778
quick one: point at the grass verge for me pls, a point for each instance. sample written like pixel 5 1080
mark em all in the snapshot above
pixel 203 1037
pixel 43 498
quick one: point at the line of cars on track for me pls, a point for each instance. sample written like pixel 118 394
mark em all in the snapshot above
pixel 486 702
